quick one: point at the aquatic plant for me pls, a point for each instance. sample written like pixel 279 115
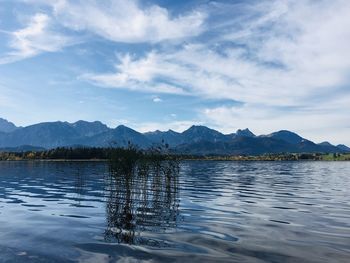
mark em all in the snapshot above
pixel 143 194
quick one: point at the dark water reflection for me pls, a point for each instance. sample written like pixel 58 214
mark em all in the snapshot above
pixel 145 200
pixel 206 211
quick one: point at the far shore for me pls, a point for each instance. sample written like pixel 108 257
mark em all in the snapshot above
pixel 133 153
pixel 324 158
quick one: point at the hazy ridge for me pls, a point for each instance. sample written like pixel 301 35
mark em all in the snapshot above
pixel 194 140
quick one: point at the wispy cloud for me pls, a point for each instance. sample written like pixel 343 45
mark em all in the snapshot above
pixel 269 66
pixel 37 37
pixel 287 62
pixel 137 75
pixel 114 20
pixel 127 21
pixel 279 54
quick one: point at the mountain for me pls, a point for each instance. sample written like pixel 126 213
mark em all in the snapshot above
pixel 343 147
pixel 244 133
pixel 170 137
pixel 328 147
pixel 326 144
pixel 195 140
pixel 192 134
pixel 244 145
pixel 85 128
pixel 6 126
pixel 286 136
pixel 58 134
pixel 240 146
pixel 202 133
pixel 47 135
pixel 120 136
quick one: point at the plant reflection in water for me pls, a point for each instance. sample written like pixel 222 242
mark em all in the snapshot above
pixel 141 200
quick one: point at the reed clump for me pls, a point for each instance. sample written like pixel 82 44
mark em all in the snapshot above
pixel 127 161
pixel 143 193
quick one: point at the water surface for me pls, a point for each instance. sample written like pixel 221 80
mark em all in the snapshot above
pixel 209 211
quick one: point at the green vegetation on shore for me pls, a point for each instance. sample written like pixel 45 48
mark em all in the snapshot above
pixel 276 157
pixel 60 153
pixel 132 153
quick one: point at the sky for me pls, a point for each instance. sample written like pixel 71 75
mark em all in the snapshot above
pixel 162 64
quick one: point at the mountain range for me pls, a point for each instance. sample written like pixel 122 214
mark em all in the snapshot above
pixel 199 140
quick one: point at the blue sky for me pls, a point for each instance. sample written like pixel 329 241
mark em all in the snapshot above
pixel 266 65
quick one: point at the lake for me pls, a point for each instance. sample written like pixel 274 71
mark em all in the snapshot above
pixel 207 212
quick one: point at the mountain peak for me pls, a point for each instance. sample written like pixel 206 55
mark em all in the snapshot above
pixel 172 131
pixel 122 127
pixel 194 127
pixel 125 129
pixel 199 129
pixel 6 126
pixel 287 136
pixel 202 133
pixel 343 147
pixel 87 128
pixel 245 133
pixel 87 122
pixel 325 144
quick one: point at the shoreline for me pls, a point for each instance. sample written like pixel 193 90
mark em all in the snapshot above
pixel 133 153
pixel 181 159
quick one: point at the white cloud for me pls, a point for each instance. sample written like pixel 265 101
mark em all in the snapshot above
pixel 136 75
pixel 127 21
pixel 114 20
pixel 293 54
pixel 35 38
pixel 274 55
pixel 313 57
pixel 157 99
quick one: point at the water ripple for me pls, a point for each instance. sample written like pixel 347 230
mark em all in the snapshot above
pixel 209 211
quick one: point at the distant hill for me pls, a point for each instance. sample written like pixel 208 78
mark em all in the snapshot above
pixel 199 140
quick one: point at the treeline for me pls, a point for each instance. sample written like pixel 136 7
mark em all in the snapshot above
pixel 66 153
pixel 159 153
pixel 89 153
pixel 275 157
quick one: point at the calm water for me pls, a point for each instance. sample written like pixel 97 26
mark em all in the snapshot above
pixel 210 211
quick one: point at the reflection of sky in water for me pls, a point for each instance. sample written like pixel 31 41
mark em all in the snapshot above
pixel 211 211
